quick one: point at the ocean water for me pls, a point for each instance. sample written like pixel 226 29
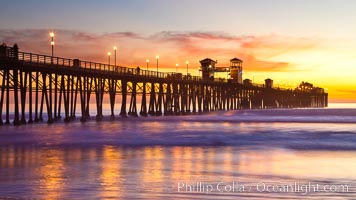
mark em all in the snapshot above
pixel 245 154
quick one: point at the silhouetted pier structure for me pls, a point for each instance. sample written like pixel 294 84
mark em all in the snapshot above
pixel 31 83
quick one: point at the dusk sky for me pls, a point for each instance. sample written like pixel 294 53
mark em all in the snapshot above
pixel 287 40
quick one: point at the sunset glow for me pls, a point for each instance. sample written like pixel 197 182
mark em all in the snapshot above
pixel 188 99
pixel 290 42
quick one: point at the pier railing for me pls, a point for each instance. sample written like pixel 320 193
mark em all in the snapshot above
pixel 32 58
pixel 54 61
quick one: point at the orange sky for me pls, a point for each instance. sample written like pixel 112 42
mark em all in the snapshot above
pixel 288 60
pixel 288 41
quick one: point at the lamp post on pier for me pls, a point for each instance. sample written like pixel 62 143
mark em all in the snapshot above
pixel 177 68
pixel 157 57
pixel 147 61
pixel 115 49
pixel 52 42
pixel 109 54
pixel 187 63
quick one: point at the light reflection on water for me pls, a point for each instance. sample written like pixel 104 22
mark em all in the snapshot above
pixel 155 172
pixel 50 170
pixel 147 158
pixel 110 175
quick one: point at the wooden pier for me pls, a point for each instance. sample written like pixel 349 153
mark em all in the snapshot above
pixel 32 83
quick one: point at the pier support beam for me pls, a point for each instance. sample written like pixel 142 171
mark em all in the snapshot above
pixel 168 103
pixel 133 108
pixel 30 120
pixel 152 104
pixel 124 97
pixel 99 93
pixel 143 111
pixel 176 99
pixel 3 86
pixel 23 87
pixel 82 92
pixel 159 100
pixel 16 97
pixel 112 94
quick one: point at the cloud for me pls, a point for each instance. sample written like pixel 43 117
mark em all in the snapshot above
pixel 257 52
pixel 267 55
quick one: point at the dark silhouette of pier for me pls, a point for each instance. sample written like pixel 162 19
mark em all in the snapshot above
pixel 31 83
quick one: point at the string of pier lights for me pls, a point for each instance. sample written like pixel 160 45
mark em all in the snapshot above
pixel 52 34
pixel 147 61
pixel 109 54
pixel 177 65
